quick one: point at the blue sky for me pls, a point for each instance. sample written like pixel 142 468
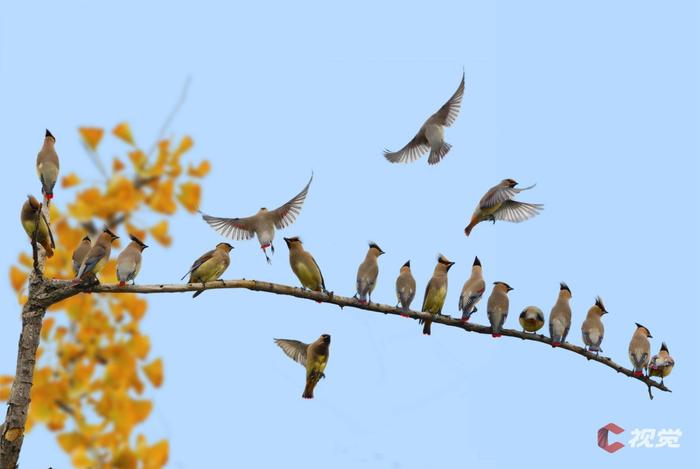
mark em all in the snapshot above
pixel 596 102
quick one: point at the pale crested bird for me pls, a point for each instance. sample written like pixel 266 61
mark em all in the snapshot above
pixel 435 291
pixel 262 224
pixel 209 266
pixel 30 213
pixel 592 329
pixel 313 357
pixel 472 291
pixel 405 287
pixel 662 363
pixel 47 165
pixel 497 307
pixel 560 316
pixel 640 349
pixel 129 261
pixel 531 319
pixel 304 266
pixel 98 255
pixel 431 135
pixel 367 274
pixel 498 204
pixel 80 252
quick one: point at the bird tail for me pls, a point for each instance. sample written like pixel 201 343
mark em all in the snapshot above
pixel 48 249
pixel 439 154
pixel 197 293
pixel 122 283
pixel 426 327
pixel 309 389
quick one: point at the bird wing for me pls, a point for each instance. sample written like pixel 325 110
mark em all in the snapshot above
pixel 48 228
pixel 323 282
pixel 499 194
pixel 449 111
pixel 202 259
pixel 516 212
pixel 96 253
pixel 234 228
pixel 411 151
pixel 286 214
pixel 294 349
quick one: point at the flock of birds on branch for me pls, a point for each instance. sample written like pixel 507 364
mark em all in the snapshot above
pixel 497 204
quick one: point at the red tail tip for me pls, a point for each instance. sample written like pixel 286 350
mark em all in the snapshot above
pixel 318 301
pixel 556 344
pixel 264 246
pixel 495 336
pixel 638 373
pixel 404 315
pixel 465 320
pixel 121 284
pixel 49 196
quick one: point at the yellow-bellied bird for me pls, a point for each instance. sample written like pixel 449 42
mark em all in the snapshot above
pixel 640 349
pixel 80 253
pixel 405 287
pixel 592 328
pixel 497 307
pixel 209 266
pixel 436 291
pixel 431 135
pixel 662 363
pixel 47 165
pixel 313 357
pixel 367 274
pixel 304 266
pixel 532 319
pixel 472 291
pixel 560 316
pixel 129 261
pixel 30 211
pixel 98 255
pixel 498 204
pixel 262 224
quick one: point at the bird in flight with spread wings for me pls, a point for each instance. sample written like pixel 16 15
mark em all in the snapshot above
pixel 262 224
pixel 431 135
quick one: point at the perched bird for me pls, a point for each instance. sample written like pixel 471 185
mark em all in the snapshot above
pixel 313 357
pixel 129 261
pixel 47 165
pixel 532 319
pixel 80 253
pixel 405 287
pixel 30 211
pixel 497 307
pixel 498 204
pixel 472 291
pixel 640 349
pixel 436 291
pixel 560 316
pixel 98 255
pixel 262 224
pixel 304 266
pixel 662 363
pixel 592 328
pixel 209 266
pixel 367 274
pixel 431 135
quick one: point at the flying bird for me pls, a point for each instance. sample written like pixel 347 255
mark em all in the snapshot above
pixel 30 211
pixel 560 316
pixel 47 165
pixel 532 319
pixel 431 135
pixel 640 349
pixel 129 261
pixel 592 328
pixel 497 307
pixel 405 287
pixel 304 266
pixel 472 291
pixel 313 357
pixel 662 363
pixel 498 204
pixel 367 274
pixel 262 224
pixel 209 266
pixel 80 252
pixel 435 291
pixel 97 256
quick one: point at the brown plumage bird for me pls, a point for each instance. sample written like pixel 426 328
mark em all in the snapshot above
pixel 47 165
pixel 209 266
pixel 497 307
pixel 472 291
pixel 31 211
pixel 498 204
pixel 80 253
pixel 560 316
pixel 640 349
pixel 304 266
pixel 367 274
pixel 405 287
pixel 436 291
pixel 662 363
pixel 531 319
pixel 313 357
pixel 98 255
pixel 592 328
pixel 129 261
pixel 431 135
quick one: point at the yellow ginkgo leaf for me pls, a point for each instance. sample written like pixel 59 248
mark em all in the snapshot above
pixel 46 327
pixel 159 231
pixel 154 372
pixel 189 196
pixel 117 165
pixel 17 278
pixel 91 136
pixel 156 455
pixel 184 146
pixel 162 200
pixel 70 180
pixel 199 171
pixel 123 131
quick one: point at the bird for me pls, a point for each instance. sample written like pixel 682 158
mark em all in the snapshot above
pixel 80 253
pixel 431 135
pixel 129 261
pixel 560 316
pixel 405 287
pixel 304 266
pixel 532 319
pixel 31 212
pixel 498 204
pixel 47 165
pixel 262 224
pixel 472 291
pixel 209 266
pixel 592 328
pixel 662 363
pixel 313 357
pixel 367 274
pixel 97 256
pixel 435 291
pixel 640 349
pixel 497 307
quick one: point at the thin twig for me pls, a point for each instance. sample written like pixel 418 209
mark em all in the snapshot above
pixel 171 115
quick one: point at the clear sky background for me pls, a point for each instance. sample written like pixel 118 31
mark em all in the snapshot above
pixel 596 102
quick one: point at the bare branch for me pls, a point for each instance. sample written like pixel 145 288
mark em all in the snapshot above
pixel 171 116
